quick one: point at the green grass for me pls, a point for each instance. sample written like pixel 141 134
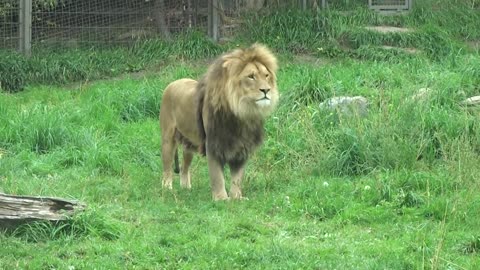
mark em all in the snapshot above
pixel 397 189
pixel 438 28
pixel 60 66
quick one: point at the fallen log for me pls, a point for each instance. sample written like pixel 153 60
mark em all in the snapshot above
pixel 16 209
pixel 472 101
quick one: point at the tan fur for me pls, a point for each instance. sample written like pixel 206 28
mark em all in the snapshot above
pixel 223 111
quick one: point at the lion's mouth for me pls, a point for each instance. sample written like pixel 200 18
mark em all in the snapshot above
pixel 265 101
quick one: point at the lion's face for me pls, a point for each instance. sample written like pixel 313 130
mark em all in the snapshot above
pixel 253 92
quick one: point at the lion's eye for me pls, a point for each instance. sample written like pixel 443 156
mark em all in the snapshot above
pixel 266 76
pixel 251 76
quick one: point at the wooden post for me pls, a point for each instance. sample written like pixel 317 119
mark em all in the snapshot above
pixel 213 19
pixel 324 4
pixel 304 5
pixel 25 18
pixel 159 10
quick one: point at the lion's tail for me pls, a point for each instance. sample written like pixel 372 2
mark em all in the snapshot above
pixel 200 125
pixel 176 168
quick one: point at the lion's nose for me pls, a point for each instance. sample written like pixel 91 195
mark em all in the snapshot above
pixel 265 91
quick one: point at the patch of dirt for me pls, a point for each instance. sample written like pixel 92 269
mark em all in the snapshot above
pixel 388 29
pixel 407 50
pixel 311 59
pixel 474 44
pixel 142 74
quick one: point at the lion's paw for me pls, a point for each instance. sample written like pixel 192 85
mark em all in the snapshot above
pixel 167 185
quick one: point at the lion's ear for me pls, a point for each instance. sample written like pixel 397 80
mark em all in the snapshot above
pixel 231 65
pixel 228 63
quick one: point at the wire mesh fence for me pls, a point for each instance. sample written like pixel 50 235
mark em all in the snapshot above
pixel 73 23
pixel 113 21
pixel 9 24
pixel 234 12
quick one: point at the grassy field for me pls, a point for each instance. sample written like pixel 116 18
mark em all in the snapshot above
pixel 397 189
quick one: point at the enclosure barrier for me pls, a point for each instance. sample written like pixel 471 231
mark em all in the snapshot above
pixel 71 23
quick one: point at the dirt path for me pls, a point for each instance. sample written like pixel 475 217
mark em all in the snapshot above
pixel 388 29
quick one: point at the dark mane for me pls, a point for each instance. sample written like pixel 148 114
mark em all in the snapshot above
pixel 230 139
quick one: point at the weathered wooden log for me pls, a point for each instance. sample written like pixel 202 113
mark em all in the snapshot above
pixel 16 210
pixel 472 101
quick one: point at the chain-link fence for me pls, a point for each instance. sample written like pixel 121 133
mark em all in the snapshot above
pixel 72 23
pixel 113 21
pixel 9 24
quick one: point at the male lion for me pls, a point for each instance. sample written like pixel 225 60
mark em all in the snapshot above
pixel 222 116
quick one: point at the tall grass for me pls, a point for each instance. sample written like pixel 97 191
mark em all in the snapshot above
pixel 82 64
pixel 399 130
pixel 82 225
pixel 335 32
pixel 322 183
pixel 12 73
pixel 395 189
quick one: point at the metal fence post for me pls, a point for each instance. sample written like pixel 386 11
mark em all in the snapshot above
pixel 213 19
pixel 25 25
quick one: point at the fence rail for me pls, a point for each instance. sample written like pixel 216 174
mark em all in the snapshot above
pixel 71 23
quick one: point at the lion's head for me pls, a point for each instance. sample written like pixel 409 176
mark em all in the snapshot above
pixel 244 82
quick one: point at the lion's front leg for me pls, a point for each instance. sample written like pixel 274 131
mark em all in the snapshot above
pixel 217 180
pixel 237 171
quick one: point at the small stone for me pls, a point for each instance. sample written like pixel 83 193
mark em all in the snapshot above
pixel 422 94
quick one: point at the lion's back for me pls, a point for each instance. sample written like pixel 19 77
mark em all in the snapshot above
pixel 180 89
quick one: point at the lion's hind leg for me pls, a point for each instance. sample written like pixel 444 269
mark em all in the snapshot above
pixel 169 147
pixel 185 172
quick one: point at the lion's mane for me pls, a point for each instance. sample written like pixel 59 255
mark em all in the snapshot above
pixel 233 131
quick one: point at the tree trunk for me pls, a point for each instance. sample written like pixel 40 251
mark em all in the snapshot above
pixel 15 210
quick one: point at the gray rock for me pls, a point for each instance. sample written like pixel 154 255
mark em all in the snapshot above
pixel 347 106
pixel 423 94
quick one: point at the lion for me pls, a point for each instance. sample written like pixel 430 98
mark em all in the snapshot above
pixel 221 116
